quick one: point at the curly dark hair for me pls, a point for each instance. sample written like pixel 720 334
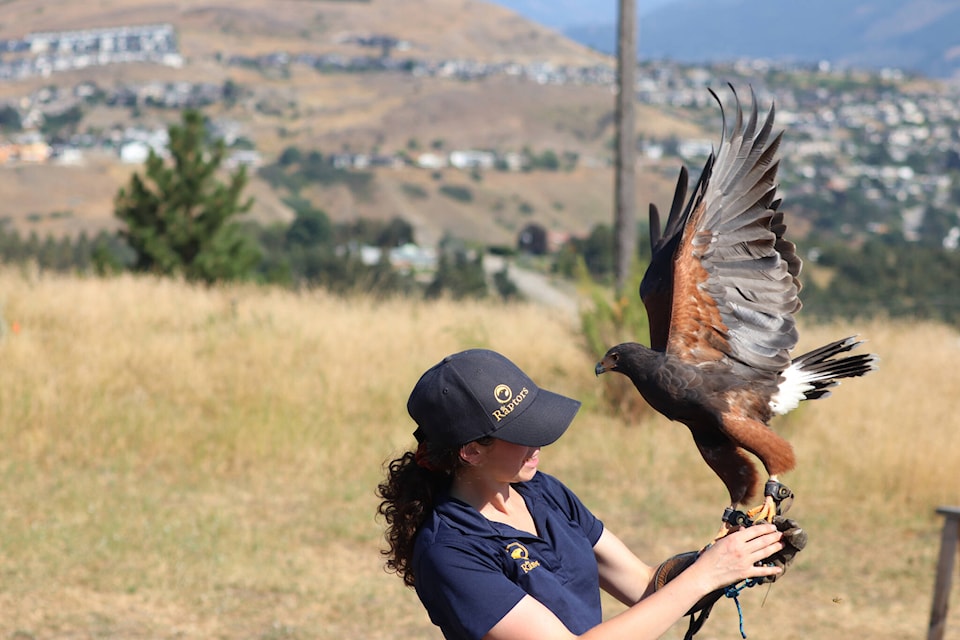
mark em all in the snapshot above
pixel 409 493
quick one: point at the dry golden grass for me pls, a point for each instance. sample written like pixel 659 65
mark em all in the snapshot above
pixel 200 463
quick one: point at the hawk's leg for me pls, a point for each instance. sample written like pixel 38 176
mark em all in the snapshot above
pixel 776 501
pixel 732 519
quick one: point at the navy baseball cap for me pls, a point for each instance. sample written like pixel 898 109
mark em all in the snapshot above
pixel 477 393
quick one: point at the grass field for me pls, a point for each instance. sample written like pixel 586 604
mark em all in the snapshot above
pixel 182 462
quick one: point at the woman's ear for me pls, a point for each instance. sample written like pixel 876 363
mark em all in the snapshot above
pixel 471 452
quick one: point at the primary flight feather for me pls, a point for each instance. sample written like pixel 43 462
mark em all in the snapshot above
pixel 721 292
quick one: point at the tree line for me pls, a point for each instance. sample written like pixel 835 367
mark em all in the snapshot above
pixel 881 276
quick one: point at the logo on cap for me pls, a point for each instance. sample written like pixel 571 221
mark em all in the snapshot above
pixel 510 403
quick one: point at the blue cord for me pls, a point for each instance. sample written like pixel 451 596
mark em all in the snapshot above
pixel 733 591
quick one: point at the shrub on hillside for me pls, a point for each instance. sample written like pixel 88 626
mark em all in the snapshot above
pixel 456 192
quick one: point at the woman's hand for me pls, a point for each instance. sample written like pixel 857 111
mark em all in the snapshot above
pixel 738 556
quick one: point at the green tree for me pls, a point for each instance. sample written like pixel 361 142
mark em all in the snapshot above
pixel 395 233
pixel 506 287
pixel 291 155
pixel 311 227
pixel 232 92
pixel 63 123
pixel 180 218
pixel 9 119
pixel 459 276
pixel 596 251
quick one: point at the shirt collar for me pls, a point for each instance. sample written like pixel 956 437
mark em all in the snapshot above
pixel 464 518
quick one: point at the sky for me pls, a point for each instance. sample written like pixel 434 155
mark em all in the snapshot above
pixel 560 14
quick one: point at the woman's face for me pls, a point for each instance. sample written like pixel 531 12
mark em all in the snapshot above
pixel 508 462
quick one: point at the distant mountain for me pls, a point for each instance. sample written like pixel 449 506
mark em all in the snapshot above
pixel 915 35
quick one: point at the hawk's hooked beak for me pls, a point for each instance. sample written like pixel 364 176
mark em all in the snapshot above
pixel 607 363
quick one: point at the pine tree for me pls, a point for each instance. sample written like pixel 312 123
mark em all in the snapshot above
pixel 179 217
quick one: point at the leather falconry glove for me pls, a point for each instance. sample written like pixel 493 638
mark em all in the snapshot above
pixel 670 569
pixel 794 540
pixel 674 566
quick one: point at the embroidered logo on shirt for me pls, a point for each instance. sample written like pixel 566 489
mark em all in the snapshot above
pixel 519 552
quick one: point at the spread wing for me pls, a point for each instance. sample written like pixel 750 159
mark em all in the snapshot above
pixel 722 282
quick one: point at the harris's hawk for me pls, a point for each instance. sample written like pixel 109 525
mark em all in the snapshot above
pixel 721 292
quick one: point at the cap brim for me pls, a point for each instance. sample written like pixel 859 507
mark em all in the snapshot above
pixel 541 423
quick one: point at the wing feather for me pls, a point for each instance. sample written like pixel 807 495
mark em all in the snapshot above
pixel 657 286
pixel 723 280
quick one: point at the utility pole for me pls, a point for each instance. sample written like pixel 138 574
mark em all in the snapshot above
pixel 624 219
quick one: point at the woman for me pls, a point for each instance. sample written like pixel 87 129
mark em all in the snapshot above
pixel 498 550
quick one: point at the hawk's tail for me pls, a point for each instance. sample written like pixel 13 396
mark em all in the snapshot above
pixel 813 374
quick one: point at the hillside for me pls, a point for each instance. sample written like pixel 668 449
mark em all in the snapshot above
pixel 294 105
pixel 437 29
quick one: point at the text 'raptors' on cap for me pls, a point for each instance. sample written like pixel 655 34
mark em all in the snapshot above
pixel 477 393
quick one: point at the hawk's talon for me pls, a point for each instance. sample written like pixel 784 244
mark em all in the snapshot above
pixel 777 500
pixel 766 511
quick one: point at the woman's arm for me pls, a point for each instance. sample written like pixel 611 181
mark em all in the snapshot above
pixel 729 560
pixel 622 574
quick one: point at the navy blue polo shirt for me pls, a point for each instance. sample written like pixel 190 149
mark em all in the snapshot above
pixel 471 571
